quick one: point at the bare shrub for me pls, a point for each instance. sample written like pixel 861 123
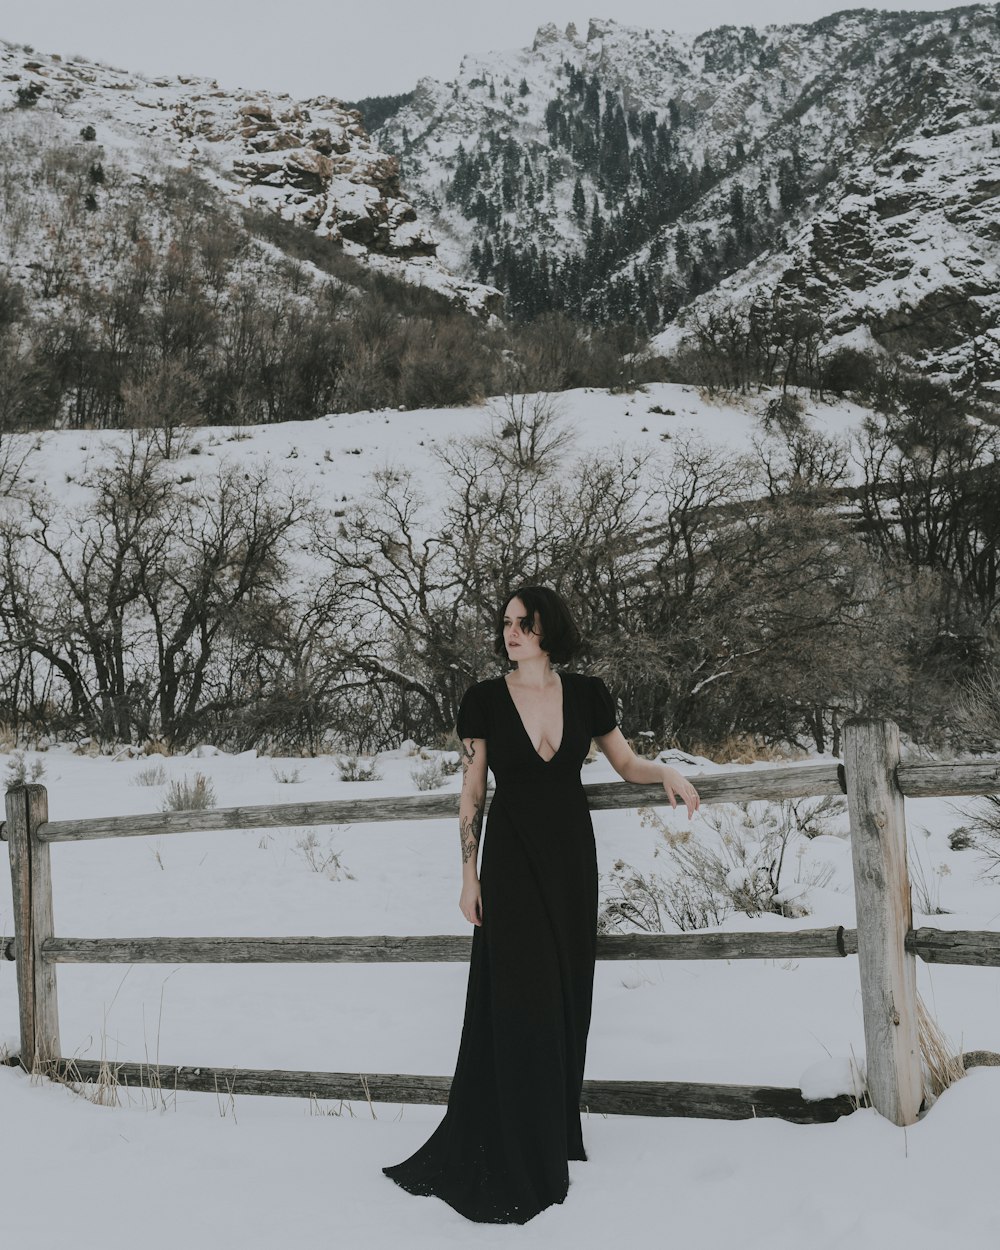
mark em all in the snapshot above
pixel 983 830
pixel 814 816
pixel 978 716
pixel 429 775
pixel 961 839
pixel 189 795
pixel 645 901
pixel 741 866
pixel 783 412
pixel 20 772
pixel 354 768
pixel 153 775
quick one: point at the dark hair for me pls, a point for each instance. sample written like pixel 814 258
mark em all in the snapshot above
pixel 559 634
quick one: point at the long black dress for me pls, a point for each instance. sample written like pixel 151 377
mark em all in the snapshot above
pixel 500 1153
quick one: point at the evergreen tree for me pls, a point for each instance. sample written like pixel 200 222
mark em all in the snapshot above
pixel 579 202
pixel 592 101
pixel 596 225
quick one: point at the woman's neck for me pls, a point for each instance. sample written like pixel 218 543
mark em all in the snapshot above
pixel 537 672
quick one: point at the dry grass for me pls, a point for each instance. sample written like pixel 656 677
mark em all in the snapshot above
pixel 322 858
pixel 942 1065
pixel 745 749
pixel 102 1090
pixel 286 776
pixel 317 1108
pixel 153 775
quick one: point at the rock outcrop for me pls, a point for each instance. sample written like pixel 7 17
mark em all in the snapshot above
pixel 309 161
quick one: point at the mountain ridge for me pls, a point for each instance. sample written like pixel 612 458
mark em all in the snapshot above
pixel 640 176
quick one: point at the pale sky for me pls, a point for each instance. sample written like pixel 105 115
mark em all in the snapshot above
pixel 348 48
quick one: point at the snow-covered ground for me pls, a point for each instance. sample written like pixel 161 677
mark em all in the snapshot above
pixel 215 1173
pixel 212 1173
pixel 334 454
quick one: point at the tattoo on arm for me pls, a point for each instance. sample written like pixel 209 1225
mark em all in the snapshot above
pixel 469 829
pixel 470 826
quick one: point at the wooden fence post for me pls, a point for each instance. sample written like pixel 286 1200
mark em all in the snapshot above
pixel 31 878
pixel 882 893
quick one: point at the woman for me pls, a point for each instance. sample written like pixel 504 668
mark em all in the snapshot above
pixel 500 1153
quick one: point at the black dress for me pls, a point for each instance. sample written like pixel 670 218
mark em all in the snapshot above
pixel 500 1153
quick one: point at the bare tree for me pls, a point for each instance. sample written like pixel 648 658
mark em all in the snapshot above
pixel 528 431
pixel 167 405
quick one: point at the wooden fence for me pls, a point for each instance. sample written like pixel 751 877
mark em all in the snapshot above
pixel 872 776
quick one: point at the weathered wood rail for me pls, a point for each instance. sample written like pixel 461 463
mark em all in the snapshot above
pixel 872 776
pixel 794 781
pixel 933 946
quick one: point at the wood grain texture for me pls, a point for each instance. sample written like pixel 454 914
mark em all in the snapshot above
pixel 20 881
pixel 31 880
pixel 442 948
pixel 918 781
pixel 960 946
pixel 882 896
pixel 974 948
pixel 659 1098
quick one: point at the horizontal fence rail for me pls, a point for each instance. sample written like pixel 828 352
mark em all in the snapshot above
pixel 662 1098
pixel 795 781
pixel 774 784
pixel 444 948
pixel 955 946
pixel 976 948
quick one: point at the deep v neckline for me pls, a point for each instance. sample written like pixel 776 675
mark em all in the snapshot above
pixel 520 721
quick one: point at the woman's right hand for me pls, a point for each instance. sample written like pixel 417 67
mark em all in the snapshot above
pixel 471 902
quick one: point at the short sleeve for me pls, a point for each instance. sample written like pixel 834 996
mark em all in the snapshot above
pixel 602 708
pixel 472 720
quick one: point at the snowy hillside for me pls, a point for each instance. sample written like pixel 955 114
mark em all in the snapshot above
pixel 310 162
pixel 848 167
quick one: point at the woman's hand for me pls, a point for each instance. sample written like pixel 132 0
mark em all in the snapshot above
pixel 471 902
pixel 676 784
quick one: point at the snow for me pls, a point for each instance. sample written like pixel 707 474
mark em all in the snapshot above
pixel 280 1176
pixel 300 1174
pixel 832 1077
pixel 335 454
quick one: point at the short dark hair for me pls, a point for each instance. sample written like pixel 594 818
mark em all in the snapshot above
pixel 560 636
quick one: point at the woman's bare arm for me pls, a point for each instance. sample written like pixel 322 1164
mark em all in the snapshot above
pixel 630 767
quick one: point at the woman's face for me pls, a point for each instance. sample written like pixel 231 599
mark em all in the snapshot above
pixel 521 642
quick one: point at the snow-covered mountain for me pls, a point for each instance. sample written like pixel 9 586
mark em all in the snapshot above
pixel 310 162
pixel 851 167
